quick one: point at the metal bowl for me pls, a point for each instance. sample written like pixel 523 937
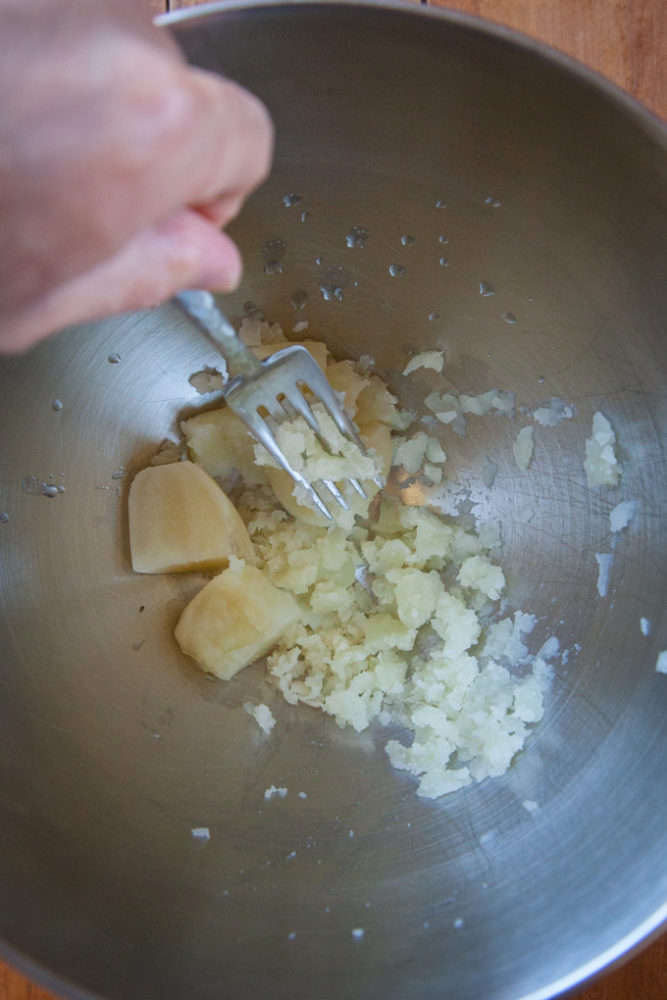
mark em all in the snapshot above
pixel 550 188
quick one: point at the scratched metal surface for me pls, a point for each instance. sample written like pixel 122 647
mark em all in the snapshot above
pixel 114 747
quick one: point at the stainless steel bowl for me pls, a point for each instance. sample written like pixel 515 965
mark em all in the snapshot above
pixel 114 747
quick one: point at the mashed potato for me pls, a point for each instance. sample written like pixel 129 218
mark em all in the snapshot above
pixel 394 601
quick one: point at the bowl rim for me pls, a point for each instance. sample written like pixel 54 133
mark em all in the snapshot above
pixel 643 115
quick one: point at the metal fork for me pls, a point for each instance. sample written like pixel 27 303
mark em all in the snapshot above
pixel 273 386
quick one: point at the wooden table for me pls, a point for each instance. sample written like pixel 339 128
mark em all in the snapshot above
pixel 625 40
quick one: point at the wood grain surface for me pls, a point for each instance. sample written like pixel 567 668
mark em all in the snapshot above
pixel 626 41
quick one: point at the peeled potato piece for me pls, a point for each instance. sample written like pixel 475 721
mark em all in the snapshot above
pixel 221 444
pixel 344 378
pixel 237 617
pixel 181 520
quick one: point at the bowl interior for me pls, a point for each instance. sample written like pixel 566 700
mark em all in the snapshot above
pixel 502 206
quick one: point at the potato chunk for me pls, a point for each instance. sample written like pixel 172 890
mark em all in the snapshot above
pixel 181 520
pixel 221 443
pixel 237 617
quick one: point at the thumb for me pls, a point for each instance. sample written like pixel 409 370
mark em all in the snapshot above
pixel 184 251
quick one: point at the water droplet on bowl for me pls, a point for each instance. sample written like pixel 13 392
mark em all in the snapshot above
pixel 299 299
pixel 4 517
pixel 114 358
pixel 56 405
pixel 444 262
pixel 273 249
pixel 291 199
pixel 509 317
pixel 434 317
pixel 493 202
pixel 396 270
pixel 356 238
pixel 31 485
pixel 443 239
pixel 273 267
pixel 252 310
pixel 304 216
pixel 272 252
pixel 440 203
pixel 333 281
pixel 407 240
pixel 486 289
pixel 49 490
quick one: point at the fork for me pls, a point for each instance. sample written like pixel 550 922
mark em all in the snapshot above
pixel 274 386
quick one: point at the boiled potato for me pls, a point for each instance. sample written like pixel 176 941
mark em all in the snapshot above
pixel 221 443
pixel 376 435
pixel 181 520
pixel 376 402
pixel 344 378
pixel 235 619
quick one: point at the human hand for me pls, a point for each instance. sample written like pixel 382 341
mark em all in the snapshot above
pixel 118 166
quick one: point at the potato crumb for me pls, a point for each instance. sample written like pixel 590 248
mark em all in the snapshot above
pixel 621 515
pixel 523 447
pixel 419 452
pixel 452 409
pixel 552 414
pixel 273 792
pixel 604 561
pixel 480 574
pixel 201 833
pixel 262 715
pixel 207 381
pixel 601 464
pixel 427 359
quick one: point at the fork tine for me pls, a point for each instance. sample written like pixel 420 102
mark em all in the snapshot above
pixel 301 404
pixel 278 409
pixel 297 400
pixel 321 388
pixel 336 493
pixel 259 428
pixel 356 485
pixel 274 406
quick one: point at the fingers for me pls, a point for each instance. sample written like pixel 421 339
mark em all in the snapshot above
pixel 185 251
pixel 123 135
pixel 230 145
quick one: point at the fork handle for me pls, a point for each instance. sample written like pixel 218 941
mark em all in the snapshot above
pixel 200 306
